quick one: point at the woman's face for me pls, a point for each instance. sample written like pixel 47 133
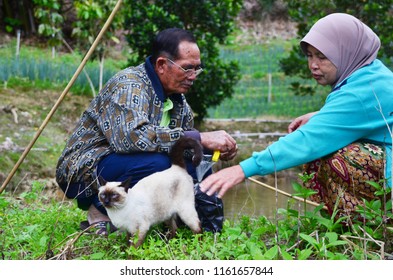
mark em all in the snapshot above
pixel 322 69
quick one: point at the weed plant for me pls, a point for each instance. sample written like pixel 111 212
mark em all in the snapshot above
pixel 34 226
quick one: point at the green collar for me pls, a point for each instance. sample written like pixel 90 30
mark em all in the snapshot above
pixel 166 118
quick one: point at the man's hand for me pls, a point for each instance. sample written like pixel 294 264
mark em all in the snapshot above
pixel 220 141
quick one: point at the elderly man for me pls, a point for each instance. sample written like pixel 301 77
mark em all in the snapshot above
pixel 130 127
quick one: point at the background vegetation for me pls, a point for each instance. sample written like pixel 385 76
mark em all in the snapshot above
pixel 210 21
pixel 75 23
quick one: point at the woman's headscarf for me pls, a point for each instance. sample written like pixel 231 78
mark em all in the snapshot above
pixel 347 42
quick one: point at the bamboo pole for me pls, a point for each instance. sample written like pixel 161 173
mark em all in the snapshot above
pixel 284 193
pixel 60 99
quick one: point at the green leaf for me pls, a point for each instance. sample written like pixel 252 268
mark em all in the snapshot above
pixel 376 204
pixel 376 185
pixel 97 256
pixel 234 231
pixel 3 203
pixel 272 253
pixel 304 254
pixel 319 207
pixel 297 187
pixel 43 241
pixel 309 239
pixel 286 256
pixel 255 251
pixel 332 236
pixel 336 243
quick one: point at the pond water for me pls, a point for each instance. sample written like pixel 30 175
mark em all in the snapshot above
pixel 249 198
pixel 253 200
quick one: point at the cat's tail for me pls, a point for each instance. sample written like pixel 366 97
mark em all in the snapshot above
pixel 177 152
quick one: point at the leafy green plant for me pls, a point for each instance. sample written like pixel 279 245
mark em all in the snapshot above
pixel 326 245
pixel 376 215
pixel 35 226
pixel 11 24
pixel 49 15
pixel 302 192
pixel 91 17
pixel 209 22
pixel 323 236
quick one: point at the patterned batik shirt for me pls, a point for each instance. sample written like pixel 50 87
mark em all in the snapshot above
pixel 124 118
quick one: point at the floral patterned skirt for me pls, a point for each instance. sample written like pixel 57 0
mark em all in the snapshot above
pixel 342 176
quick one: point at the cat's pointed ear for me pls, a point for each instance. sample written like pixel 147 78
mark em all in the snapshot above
pixel 101 181
pixel 126 184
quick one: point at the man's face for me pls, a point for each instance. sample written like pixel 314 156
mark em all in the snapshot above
pixel 173 74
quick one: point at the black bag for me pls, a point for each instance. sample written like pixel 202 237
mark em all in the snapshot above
pixel 210 210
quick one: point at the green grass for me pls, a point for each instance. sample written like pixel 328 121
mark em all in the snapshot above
pixel 39 67
pixel 34 225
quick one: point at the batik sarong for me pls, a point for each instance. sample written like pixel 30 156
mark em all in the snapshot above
pixel 342 176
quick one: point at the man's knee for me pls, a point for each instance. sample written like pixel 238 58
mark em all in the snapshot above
pixel 138 166
pixel 160 162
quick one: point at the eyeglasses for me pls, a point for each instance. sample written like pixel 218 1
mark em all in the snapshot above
pixel 188 72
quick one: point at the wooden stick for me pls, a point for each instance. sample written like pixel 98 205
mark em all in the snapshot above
pixel 284 193
pixel 60 99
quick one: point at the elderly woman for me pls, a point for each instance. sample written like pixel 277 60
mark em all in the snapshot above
pixel 348 141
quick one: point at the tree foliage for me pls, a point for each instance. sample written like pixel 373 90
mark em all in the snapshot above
pixel 17 15
pixel 376 14
pixel 211 21
pixel 92 15
pixel 48 13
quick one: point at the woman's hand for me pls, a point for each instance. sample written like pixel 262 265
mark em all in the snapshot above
pixel 299 121
pixel 222 181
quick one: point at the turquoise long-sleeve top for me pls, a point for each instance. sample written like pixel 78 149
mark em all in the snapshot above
pixel 359 108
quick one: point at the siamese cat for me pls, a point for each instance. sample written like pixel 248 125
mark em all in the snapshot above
pixel 159 197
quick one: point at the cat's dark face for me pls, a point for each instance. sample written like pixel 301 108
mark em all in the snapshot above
pixel 112 195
